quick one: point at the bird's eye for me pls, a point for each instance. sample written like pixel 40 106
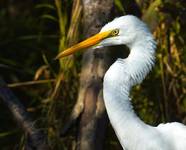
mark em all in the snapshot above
pixel 115 32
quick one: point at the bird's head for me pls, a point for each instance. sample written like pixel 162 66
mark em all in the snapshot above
pixel 126 30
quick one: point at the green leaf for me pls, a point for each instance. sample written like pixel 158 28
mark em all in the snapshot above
pixel 49 17
pixel 45 6
pixel 119 5
pixel 4 134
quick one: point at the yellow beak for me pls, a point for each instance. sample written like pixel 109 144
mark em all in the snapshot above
pixel 85 44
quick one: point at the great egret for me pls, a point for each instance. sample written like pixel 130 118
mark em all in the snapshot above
pixel 132 132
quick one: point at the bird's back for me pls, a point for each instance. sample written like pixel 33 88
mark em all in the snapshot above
pixel 175 133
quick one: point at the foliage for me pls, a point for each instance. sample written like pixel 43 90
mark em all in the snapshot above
pixel 33 32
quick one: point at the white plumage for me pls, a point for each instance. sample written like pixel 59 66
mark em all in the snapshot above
pixel 132 132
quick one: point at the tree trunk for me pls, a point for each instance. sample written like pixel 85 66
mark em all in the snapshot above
pixel 93 119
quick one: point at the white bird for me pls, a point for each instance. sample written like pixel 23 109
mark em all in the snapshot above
pixel 131 131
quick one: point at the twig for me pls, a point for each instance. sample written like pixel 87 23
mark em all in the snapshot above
pixel 30 83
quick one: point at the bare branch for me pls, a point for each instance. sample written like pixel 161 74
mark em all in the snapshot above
pixel 36 139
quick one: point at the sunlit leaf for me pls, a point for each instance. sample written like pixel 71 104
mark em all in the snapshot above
pixel 40 71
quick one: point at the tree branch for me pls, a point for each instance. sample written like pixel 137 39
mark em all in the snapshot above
pixel 35 138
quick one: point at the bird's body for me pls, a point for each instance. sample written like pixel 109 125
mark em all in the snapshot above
pixel 131 131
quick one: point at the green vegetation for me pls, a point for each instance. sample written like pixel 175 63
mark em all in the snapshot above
pixel 33 32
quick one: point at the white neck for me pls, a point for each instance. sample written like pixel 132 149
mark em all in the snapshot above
pixel 118 80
